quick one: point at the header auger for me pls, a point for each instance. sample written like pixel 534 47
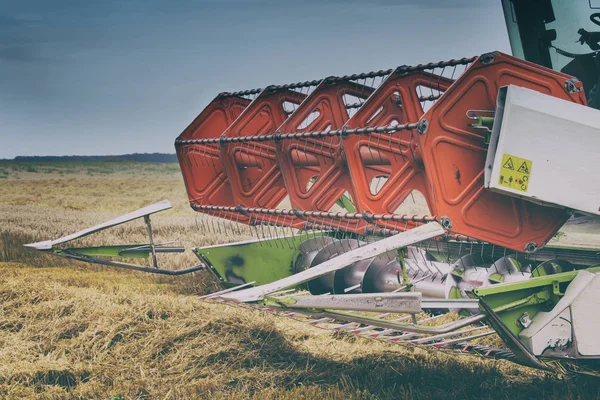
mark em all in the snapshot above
pixel 319 172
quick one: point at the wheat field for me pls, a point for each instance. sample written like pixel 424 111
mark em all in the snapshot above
pixel 70 330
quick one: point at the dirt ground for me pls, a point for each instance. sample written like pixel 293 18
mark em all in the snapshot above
pixel 69 330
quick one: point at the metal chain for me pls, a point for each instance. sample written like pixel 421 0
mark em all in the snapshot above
pixel 303 214
pixel 404 69
pixel 299 135
pixel 373 74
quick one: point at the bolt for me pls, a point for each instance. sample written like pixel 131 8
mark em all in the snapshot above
pixel 422 126
pixel 531 247
pixel 570 86
pixel 525 320
pixel 487 58
pixel 446 222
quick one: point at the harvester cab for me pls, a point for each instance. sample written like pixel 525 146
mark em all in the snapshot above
pixel 562 35
pixel 502 152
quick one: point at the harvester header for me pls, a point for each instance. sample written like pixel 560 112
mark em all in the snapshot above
pixel 320 173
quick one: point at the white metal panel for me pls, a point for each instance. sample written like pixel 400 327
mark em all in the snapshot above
pixel 409 303
pixel 560 139
pixel 151 209
pixel 546 329
pixel 586 321
pixel 556 333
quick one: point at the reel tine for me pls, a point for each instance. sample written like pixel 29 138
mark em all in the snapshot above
pixel 390 136
pixel 293 232
pixel 284 236
pixel 305 232
pixel 217 148
pixel 471 253
pixel 320 225
pixel 273 230
pixel 237 223
pixel 203 222
pixel 378 147
pixel 420 89
pixel 310 226
pixel 264 231
pixel 453 72
pixel 187 150
pixel 255 224
pixel 305 142
pixel 266 226
pixel 209 221
pixel 365 234
pixel 329 222
pixel 440 75
pixel 225 223
pixel 290 234
pixel 495 266
pixel 181 154
pixel 535 261
pixel 232 222
pixel 516 258
pixel 214 222
pixel 220 224
pixel 430 85
pixel 344 234
pixel 481 254
pixel 437 246
pixel 348 231
pixel 426 264
pixel 262 146
pixel 369 139
pixel 184 151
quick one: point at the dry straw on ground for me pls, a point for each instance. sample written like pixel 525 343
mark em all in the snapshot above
pixel 73 331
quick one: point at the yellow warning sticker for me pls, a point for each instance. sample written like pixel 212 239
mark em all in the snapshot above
pixel 515 172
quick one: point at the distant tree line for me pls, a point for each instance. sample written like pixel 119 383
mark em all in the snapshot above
pixel 139 157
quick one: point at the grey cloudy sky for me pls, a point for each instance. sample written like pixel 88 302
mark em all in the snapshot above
pixel 113 77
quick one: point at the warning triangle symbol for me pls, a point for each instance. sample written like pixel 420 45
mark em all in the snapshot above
pixel 523 168
pixel 509 164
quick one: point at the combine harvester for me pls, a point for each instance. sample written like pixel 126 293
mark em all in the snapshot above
pixel 504 151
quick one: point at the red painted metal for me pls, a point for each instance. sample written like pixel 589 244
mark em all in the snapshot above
pixel 454 155
pixel 314 170
pixel 391 157
pixel 203 172
pixel 252 168
pixel 445 163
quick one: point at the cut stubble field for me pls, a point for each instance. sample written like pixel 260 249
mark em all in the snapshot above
pixel 70 330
